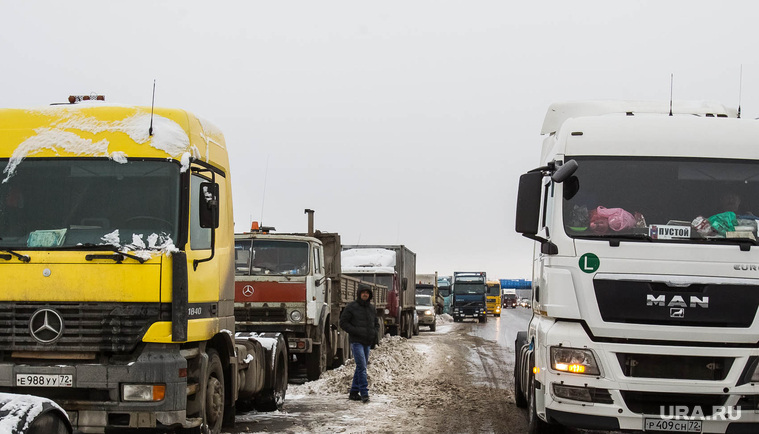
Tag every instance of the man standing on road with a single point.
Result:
(359, 319)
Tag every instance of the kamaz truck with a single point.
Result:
(469, 296)
(645, 286)
(117, 265)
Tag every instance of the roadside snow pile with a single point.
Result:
(391, 365)
(444, 318)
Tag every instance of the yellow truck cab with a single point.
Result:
(116, 256)
(494, 298)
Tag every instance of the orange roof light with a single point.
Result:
(254, 227)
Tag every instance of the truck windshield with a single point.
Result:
(468, 288)
(494, 290)
(424, 300)
(67, 202)
(663, 199)
(379, 279)
(444, 291)
(262, 257)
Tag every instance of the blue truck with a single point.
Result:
(469, 296)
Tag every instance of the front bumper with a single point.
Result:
(426, 319)
(619, 400)
(94, 401)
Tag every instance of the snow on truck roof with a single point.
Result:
(97, 129)
(369, 260)
(559, 112)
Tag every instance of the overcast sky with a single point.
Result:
(399, 122)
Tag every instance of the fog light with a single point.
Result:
(143, 392)
(572, 392)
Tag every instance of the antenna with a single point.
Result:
(740, 91)
(152, 106)
(263, 199)
(671, 86)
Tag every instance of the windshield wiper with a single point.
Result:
(22, 258)
(614, 239)
(118, 257)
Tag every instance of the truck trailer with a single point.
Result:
(393, 266)
(645, 287)
(117, 257)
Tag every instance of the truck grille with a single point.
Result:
(87, 327)
(699, 304)
(260, 314)
(675, 367)
(652, 403)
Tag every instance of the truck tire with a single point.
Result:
(536, 424)
(272, 396)
(50, 422)
(316, 362)
(519, 342)
(432, 327)
(484, 318)
(343, 350)
(416, 330)
(213, 395)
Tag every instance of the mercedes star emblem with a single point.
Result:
(46, 326)
(247, 290)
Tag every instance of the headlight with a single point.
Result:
(143, 392)
(574, 360)
(428, 312)
(296, 316)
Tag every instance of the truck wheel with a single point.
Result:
(214, 393)
(273, 396)
(519, 398)
(484, 319)
(343, 350)
(316, 362)
(432, 327)
(51, 422)
(416, 330)
(536, 424)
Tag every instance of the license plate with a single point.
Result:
(45, 380)
(672, 425)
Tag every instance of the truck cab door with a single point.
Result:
(319, 296)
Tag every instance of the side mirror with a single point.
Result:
(209, 205)
(528, 203)
(564, 171)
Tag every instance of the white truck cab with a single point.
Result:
(646, 270)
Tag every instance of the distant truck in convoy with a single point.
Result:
(116, 257)
(510, 299)
(469, 296)
(427, 284)
(645, 287)
(494, 298)
(292, 284)
(444, 289)
(393, 266)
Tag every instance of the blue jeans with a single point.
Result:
(361, 356)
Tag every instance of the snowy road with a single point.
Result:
(460, 381)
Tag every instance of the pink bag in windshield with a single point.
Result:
(617, 218)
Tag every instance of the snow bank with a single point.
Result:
(391, 364)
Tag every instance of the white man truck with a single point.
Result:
(645, 279)
(116, 295)
(291, 284)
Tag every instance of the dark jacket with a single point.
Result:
(359, 319)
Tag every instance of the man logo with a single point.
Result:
(247, 290)
(46, 326)
(677, 312)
